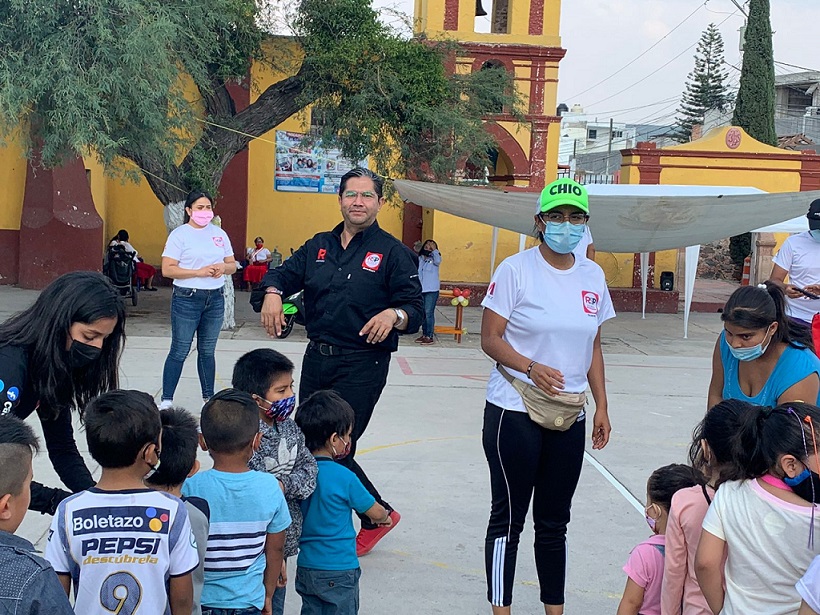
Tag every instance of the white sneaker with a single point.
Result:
(166, 404)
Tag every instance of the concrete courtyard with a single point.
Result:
(423, 450)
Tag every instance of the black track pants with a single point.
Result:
(529, 462)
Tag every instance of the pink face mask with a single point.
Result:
(202, 216)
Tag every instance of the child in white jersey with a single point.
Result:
(763, 526)
(121, 544)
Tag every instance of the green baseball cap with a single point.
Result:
(563, 192)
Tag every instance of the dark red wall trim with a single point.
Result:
(515, 51)
(536, 25)
(10, 261)
(232, 200)
(58, 211)
(451, 14)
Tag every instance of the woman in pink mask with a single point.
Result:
(196, 256)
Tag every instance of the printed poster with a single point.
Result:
(302, 168)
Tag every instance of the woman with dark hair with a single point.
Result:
(542, 326)
(196, 256)
(56, 356)
(259, 257)
(145, 272)
(761, 356)
(429, 263)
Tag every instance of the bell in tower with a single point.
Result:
(479, 10)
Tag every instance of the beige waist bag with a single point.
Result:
(558, 413)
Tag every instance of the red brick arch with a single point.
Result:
(512, 148)
(482, 59)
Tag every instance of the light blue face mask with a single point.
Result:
(752, 352)
(815, 234)
(562, 237)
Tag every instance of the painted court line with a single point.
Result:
(619, 487)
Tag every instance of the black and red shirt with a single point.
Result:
(346, 287)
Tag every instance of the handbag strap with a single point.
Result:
(507, 375)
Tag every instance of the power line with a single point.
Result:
(812, 70)
(630, 63)
(657, 70)
(646, 106)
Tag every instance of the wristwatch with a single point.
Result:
(401, 318)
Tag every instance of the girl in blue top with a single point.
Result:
(761, 357)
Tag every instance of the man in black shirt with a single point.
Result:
(361, 288)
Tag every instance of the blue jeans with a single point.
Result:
(328, 592)
(193, 311)
(429, 325)
(249, 611)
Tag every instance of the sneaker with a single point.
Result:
(420, 339)
(367, 539)
(166, 404)
(427, 341)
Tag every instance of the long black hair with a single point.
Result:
(753, 307)
(192, 198)
(719, 429)
(765, 436)
(79, 296)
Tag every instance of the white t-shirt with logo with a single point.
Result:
(552, 317)
(768, 552)
(195, 248)
(121, 548)
(800, 256)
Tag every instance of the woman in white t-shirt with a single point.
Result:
(763, 526)
(196, 256)
(542, 322)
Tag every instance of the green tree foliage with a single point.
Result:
(109, 77)
(754, 111)
(706, 84)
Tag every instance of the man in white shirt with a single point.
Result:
(799, 258)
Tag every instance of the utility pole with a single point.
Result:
(609, 149)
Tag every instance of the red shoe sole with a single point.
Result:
(367, 539)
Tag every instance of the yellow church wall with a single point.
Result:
(134, 207)
(465, 248)
(12, 185)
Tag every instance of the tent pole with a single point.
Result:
(644, 276)
(690, 272)
(493, 251)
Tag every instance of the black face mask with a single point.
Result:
(82, 355)
(424, 252)
(805, 485)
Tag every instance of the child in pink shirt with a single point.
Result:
(644, 568)
(711, 455)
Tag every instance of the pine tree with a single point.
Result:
(706, 84)
(754, 111)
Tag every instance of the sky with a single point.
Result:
(603, 36)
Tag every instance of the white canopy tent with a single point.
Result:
(795, 225)
(692, 256)
(629, 218)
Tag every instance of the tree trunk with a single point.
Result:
(223, 142)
